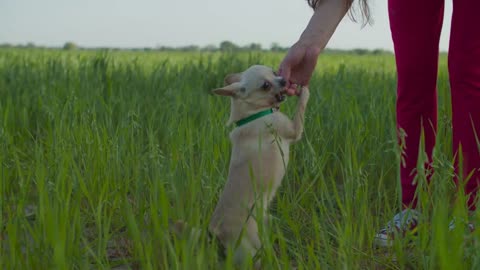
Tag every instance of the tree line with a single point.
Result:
(224, 46)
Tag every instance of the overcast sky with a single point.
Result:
(151, 23)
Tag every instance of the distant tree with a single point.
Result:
(190, 48)
(275, 47)
(209, 48)
(360, 51)
(228, 46)
(70, 46)
(165, 48)
(6, 45)
(335, 51)
(30, 45)
(255, 47)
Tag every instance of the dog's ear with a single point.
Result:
(232, 78)
(229, 90)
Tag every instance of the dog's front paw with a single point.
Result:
(304, 93)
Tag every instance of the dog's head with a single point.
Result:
(257, 86)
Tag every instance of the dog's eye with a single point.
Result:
(266, 86)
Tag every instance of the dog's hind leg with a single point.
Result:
(249, 244)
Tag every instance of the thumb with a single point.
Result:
(285, 68)
(285, 71)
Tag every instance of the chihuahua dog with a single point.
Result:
(259, 156)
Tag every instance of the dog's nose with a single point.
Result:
(283, 82)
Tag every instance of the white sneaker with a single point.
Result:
(402, 223)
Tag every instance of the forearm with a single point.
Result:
(323, 23)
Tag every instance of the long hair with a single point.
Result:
(362, 6)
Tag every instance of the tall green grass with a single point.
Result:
(99, 150)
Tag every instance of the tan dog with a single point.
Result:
(259, 157)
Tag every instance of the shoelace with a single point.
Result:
(405, 221)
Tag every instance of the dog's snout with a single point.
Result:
(283, 82)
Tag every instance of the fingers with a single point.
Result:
(294, 57)
(297, 67)
(309, 64)
(284, 72)
(291, 91)
(294, 90)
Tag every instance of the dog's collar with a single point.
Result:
(254, 116)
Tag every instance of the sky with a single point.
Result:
(153, 23)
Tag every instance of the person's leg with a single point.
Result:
(416, 27)
(464, 71)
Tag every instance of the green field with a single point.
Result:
(98, 150)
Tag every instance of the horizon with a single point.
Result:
(151, 24)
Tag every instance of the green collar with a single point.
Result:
(252, 117)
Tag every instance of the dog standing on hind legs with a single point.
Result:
(259, 156)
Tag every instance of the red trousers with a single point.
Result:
(416, 26)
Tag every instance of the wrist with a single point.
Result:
(311, 43)
(311, 40)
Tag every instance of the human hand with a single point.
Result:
(298, 65)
